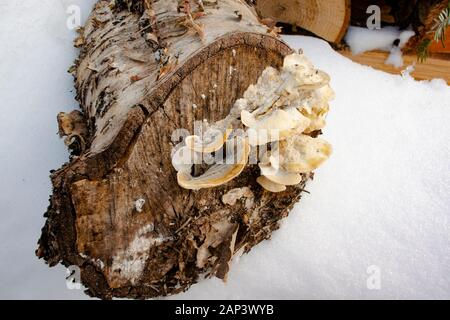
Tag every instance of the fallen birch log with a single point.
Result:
(326, 19)
(147, 69)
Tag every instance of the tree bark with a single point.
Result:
(142, 69)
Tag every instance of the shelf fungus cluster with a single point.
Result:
(279, 119)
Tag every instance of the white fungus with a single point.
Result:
(139, 205)
(282, 107)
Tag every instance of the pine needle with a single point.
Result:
(422, 50)
(442, 23)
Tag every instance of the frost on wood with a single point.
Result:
(143, 74)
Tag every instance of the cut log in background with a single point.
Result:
(143, 65)
(327, 19)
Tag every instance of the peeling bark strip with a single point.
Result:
(147, 68)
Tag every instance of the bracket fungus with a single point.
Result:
(302, 153)
(237, 152)
(214, 138)
(282, 114)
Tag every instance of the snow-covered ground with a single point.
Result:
(379, 207)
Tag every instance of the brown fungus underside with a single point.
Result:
(117, 210)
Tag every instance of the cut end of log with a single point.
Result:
(117, 210)
(435, 67)
(327, 19)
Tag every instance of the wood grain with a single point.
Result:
(131, 110)
(436, 66)
(329, 19)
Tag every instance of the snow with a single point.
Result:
(395, 58)
(362, 39)
(380, 204)
(35, 53)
